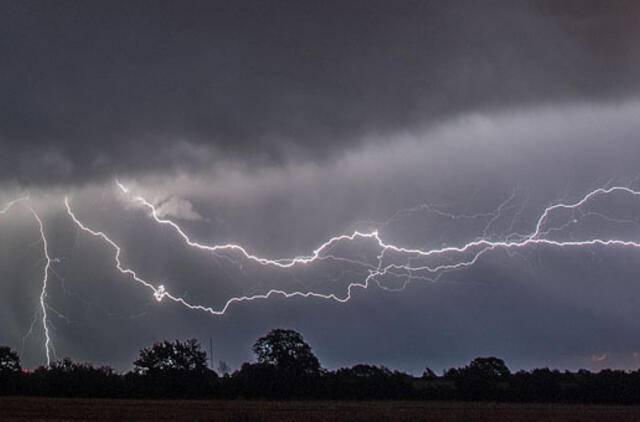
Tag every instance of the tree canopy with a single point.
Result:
(287, 369)
(489, 367)
(286, 350)
(9, 360)
(172, 356)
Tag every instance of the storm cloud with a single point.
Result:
(276, 125)
(94, 89)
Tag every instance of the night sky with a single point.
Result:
(278, 125)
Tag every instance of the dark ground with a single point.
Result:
(46, 409)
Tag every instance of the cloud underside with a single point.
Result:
(90, 91)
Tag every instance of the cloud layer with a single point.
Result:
(278, 125)
(91, 90)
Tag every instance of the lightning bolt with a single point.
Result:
(43, 292)
(455, 257)
(160, 292)
(10, 204)
(47, 268)
(463, 256)
(282, 263)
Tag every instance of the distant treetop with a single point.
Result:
(286, 350)
(172, 356)
(9, 360)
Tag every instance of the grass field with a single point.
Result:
(45, 409)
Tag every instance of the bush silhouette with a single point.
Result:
(286, 368)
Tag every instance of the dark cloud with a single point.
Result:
(538, 307)
(96, 88)
(276, 125)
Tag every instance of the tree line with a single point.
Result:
(286, 368)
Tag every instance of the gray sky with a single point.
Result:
(277, 125)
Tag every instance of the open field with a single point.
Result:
(46, 409)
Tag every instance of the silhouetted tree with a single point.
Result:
(66, 378)
(9, 360)
(369, 382)
(287, 368)
(171, 369)
(483, 379)
(539, 385)
(490, 367)
(286, 350)
(10, 371)
(168, 356)
(428, 374)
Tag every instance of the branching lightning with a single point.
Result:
(43, 292)
(47, 268)
(390, 259)
(10, 204)
(463, 256)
